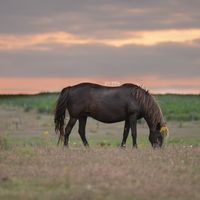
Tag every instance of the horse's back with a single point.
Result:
(98, 93)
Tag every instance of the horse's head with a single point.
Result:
(157, 135)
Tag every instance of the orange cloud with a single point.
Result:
(39, 41)
(148, 38)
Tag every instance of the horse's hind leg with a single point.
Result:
(68, 129)
(81, 130)
(133, 124)
(125, 134)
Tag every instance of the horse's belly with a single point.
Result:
(108, 116)
(108, 119)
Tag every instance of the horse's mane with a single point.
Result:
(148, 104)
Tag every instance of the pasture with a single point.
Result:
(33, 167)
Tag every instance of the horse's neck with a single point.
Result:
(150, 123)
(153, 119)
(149, 107)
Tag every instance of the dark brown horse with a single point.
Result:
(109, 104)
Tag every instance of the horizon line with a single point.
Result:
(32, 93)
(155, 84)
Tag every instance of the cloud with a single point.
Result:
(93, 17)
(44, 40)
(101, 39)
(10, 42)
(108, 22)
(165, 60)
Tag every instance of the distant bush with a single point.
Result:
(43, 103)
(180, 107)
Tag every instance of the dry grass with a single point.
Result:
(100, 173)
(33, 167)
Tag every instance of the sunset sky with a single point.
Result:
(46, 45)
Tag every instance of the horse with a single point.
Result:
(127, 103)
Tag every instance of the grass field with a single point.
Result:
(48, 172)
(33, 167)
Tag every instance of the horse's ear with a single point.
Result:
(158, 126)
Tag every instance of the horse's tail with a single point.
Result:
(60, 110)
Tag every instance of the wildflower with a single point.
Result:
(45, 133)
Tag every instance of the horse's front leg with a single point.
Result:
(81, 130)
(125, 133)
(133, 125)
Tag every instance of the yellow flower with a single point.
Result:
(46, 133)
(164, 130)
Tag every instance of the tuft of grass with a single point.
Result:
(4, 142)
(104, 143)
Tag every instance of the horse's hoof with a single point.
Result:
(123, 146)
(66, 145)
(135, 146)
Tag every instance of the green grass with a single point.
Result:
(21, 185)
(174, 107)
(9, 142)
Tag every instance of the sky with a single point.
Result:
(46, 45)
